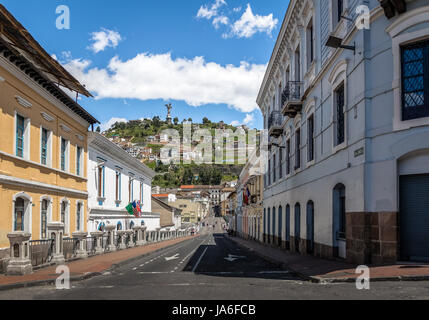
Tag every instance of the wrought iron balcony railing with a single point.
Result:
(275, 124)
(291, 98)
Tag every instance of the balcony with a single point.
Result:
(291, 99)
(275, 124)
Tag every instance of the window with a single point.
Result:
(297, 65)
(20, 130)
(19, 214)
(63, 215)
(337, 11)
(78, 216)
(310, 143)
(340, 118)
(44, 151)
(269, 172)
(279, 95)
(78, 160)
(415, 83)
(281, 163)
(310, 44)
(101, 172)
(288, 157)
(141, 192)
(118, 186)
(44, 219)
(64, 147)
(274, 169)
(130, 189)
(298, 149)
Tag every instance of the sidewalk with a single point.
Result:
(331, 271)
(85, 268)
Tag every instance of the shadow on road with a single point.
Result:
(224, 258)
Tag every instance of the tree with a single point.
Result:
(206, 121)
(156, 121)
(190, 119)
(176, 121)
(98, 129)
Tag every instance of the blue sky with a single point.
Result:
(205, 57)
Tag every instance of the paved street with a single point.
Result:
(212, 267)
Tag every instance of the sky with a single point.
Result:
(208, 58)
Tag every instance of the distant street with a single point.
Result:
(212, 267)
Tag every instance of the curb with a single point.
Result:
(86, 276)
(321, 280)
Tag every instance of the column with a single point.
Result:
(123, 237)
(110, 229)
(98, 241)
(131, 243)
(20, 263)
(56, 231)
(81, 251)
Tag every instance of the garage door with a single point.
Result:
(414, 217)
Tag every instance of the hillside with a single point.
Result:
(141, 133)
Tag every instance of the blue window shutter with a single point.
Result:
(104, 178)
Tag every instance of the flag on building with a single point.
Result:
(130, 209)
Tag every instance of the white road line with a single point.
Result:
(199, 260)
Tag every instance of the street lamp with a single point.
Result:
(336, 43)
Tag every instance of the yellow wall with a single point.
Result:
(31, 169)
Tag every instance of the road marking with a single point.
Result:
(232, 258)
(199, 260)
(175, 257)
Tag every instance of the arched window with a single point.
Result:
(132, 224)
(269, 225)
(19, 214)
(297, 226)
(142, 224)
(288, 227)
(274, 223)
(339, 220)
(44, 218)
(280, 233)
(310, 227)
(119, 226)
(101, 226)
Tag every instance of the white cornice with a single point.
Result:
(47, 116)
(65, 128)
(15, 71)
(39, 185)
(23, 102)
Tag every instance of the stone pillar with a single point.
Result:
(20, 263)
(123, 234)
(81, 251)
(143, 230)
(98, 241)
(110, 229)
(168, 234)
(158, 235)
(139, 235)
(131, 243)
(56, 232)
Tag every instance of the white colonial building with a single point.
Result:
(346, 102)
(116, 179)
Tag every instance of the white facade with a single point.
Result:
(116, 179)
(333, 187)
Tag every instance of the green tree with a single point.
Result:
(176, 121)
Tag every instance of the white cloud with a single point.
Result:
(250, 118)
(106, 126)
(248, 121)
(249, 24)
(220, 20)
(159, 76)
(208, 13)
(103, 39)
(245, 27)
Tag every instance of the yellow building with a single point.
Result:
(43, 139)
(192, 210)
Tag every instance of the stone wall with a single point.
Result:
(372, 237)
